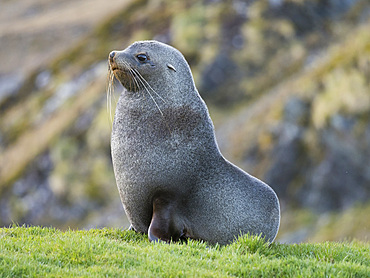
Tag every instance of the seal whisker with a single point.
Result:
(160, 111)
(108, 85)
(146, 82)
(140, 78)
(135, 79)
(110, 91)
(138, 86)
(128, 70)
(132, 80)
(145, 85)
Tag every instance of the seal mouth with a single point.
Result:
(116, 69)
(120, 73)
(114, 66)
(125, 77)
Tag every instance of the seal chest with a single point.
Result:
(172, 179)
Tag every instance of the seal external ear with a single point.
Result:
(164, 225)
(171, 67)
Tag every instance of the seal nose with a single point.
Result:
(111, 56)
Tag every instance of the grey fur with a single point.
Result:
(166, 145)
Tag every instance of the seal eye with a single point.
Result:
(142, 57)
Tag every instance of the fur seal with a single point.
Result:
(172, 179)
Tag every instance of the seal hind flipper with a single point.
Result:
(165, 225)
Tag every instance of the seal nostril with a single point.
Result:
(111, 55)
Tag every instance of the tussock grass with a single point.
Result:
(39, 252)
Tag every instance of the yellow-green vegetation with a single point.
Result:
(38, 252)
(344, 91)
(350, 224)
(336, 226)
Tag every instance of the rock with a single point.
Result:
(9, 85)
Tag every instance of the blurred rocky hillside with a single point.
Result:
(287, 83)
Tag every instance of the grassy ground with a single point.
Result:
(39, 252)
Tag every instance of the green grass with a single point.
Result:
(40, 252)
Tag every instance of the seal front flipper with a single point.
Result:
(165, 225)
